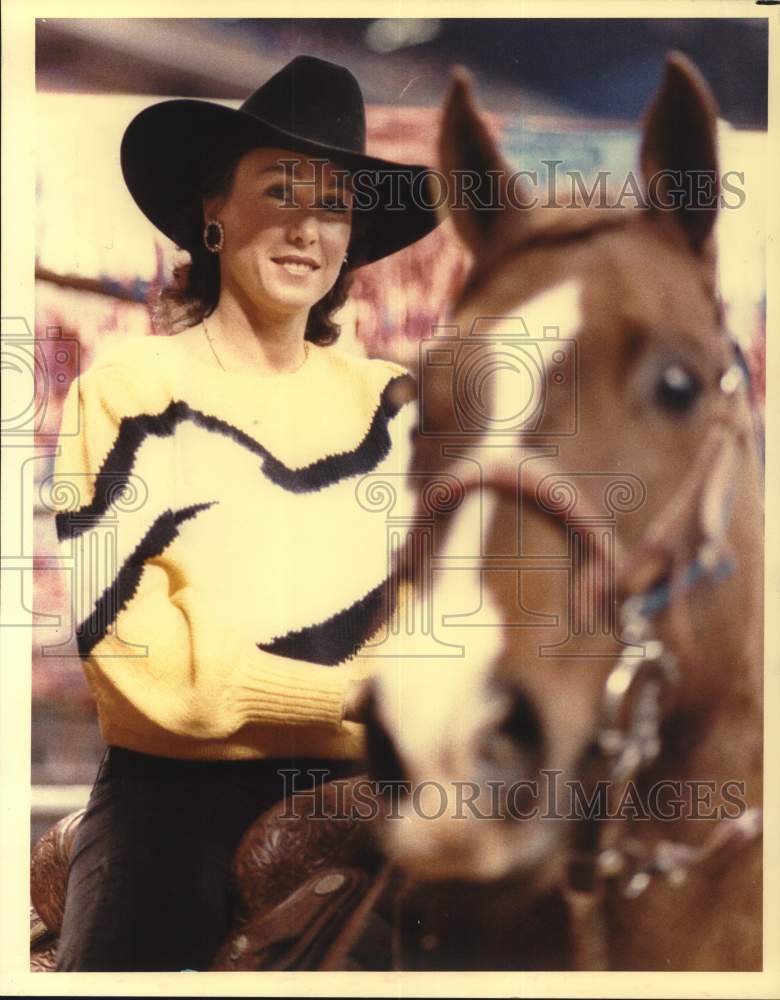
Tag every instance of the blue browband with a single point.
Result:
(653, 601)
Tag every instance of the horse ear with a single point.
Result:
(478, 177)
(679, 155)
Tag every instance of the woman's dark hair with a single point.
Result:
(193, 293)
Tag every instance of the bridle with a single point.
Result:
(684, 545)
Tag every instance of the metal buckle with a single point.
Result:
(635, 744)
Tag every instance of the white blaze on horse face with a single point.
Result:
(558, 306)
(531, 348)
(446, 701)
(438, 711)
(442, 711)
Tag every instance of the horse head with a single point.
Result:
(589, 502)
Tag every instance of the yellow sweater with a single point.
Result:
(228, 564)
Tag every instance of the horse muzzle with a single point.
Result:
(460, 805)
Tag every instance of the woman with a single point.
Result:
(222, 462)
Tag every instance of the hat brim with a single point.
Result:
(165, 145)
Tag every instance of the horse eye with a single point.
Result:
(677, 389)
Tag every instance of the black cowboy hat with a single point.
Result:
(310, 106)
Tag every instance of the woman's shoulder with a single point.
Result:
(376, 370)
(130, 374)
(146, 353)
(378, 382)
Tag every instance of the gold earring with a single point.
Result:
(208, 232)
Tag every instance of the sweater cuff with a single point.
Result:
(292, 693)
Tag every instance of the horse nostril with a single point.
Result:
(517, 739)
(384, 763)
(521, 723)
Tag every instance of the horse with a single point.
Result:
(573, 717)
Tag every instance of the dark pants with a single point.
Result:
(149, 884)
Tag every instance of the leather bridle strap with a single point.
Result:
(692, 524)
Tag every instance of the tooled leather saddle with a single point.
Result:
(311, 891)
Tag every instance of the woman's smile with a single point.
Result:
(296, 265)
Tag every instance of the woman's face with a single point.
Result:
(286, 231)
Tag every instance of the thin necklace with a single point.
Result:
(210, 340)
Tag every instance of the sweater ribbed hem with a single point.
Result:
(253, 742)
(293, 693)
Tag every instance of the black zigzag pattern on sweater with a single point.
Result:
(121, 590)
(332, 641)
(133, 431)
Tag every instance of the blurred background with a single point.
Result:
(572, 90)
